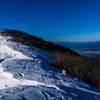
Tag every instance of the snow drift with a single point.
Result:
(6, 52)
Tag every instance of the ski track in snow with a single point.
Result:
(28, 76)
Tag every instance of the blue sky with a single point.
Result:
(54, 20)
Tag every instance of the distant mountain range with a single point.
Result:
(89, 49)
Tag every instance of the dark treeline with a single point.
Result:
(34, 41)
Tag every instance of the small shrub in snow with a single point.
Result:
(7, 55)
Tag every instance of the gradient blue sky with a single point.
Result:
(54, 20)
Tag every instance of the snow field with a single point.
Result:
(27, 75)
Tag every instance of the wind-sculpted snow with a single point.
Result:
(7, 52)
(30, 77)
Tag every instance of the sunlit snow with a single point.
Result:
(7, 52)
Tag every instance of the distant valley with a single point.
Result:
(87, 49)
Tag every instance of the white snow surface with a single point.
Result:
(7, 52)
(27, 75)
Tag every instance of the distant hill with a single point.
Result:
(70, 44)
(62, 57)
(88, 46)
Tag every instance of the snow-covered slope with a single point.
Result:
(26, 75)
(7, 52)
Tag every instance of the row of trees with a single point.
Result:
(34, 41)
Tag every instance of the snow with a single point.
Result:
(25, 75)
(7, 52)
(7, 80)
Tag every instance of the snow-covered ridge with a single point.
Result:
(7, 52)
(25, 75)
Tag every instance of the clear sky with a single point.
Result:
(54, 20)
